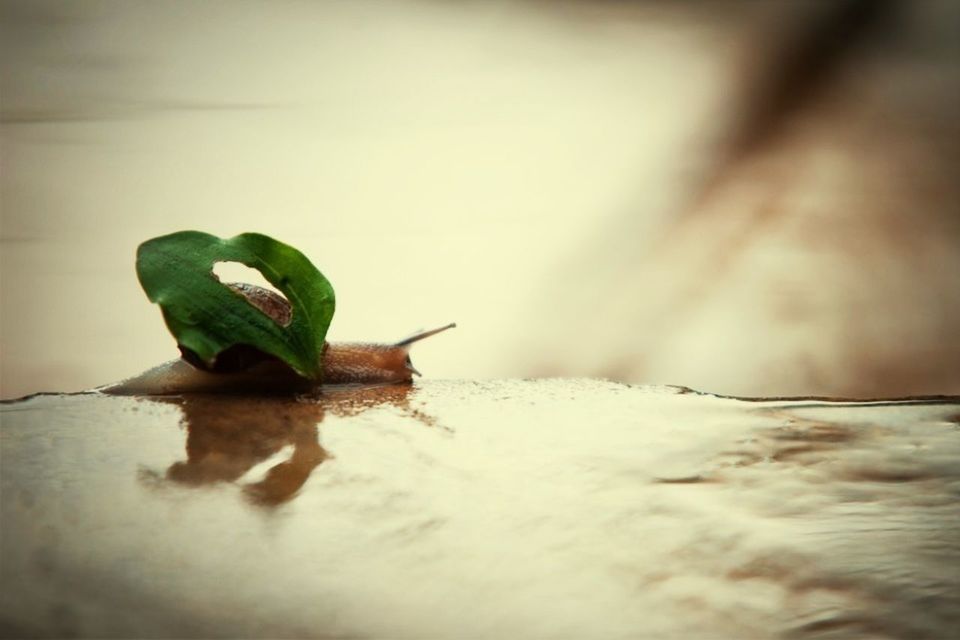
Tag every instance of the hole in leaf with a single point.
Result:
(228, 272)
(251, 284)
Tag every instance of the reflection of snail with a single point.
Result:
(228, 436)
(343, 362)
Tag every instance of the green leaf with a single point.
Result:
(207, 317)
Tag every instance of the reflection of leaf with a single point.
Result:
(206, 317)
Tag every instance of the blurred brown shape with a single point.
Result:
(819, 252)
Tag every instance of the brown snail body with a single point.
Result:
(343, 362)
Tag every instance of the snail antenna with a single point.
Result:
(420, 335)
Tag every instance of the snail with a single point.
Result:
(343, 362)
(254, 370)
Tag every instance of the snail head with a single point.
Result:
(420, 335)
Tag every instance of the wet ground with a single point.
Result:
(524, 509)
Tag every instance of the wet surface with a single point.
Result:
(553, 508)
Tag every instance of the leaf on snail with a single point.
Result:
(207, 317)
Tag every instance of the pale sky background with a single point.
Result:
(517, 167)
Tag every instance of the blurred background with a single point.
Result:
(755, 198)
